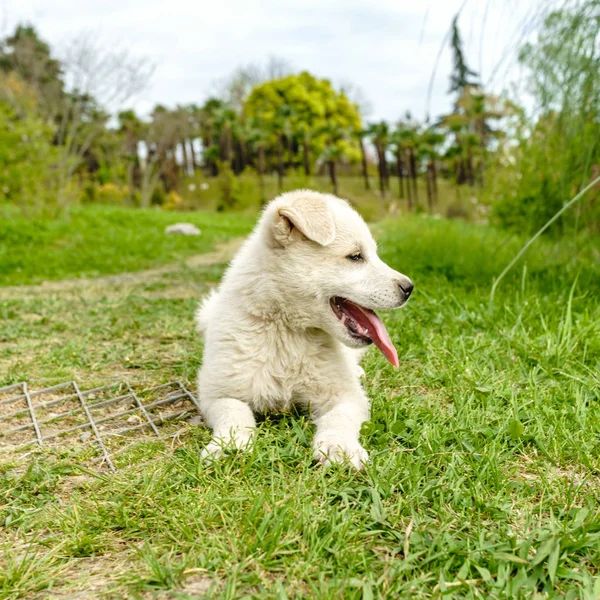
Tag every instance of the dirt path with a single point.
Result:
(222, 254)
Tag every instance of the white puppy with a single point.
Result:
(287, 320)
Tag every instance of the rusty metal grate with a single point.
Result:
(107, 419)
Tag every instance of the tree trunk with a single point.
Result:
(290, 150)
(243, 155)
(386, 171)
(261, 170)
(470, 170)
(365, 166)
(381, 167)
(400, 169)
(333, 176)
(194, 157)
(481, 126)
(306, 156)
(459, 167)
(408, 175)
(434, 187)
(429, 182)
(185, 156)
(414, 174)
(226, 144)
(280, 170)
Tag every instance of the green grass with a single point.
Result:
(101, 240)
(485, 443)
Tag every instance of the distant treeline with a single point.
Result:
(64, 135)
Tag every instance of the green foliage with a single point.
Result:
(557, 153)
(305, 108)
(27, 155)
(109, 193)
(28, 57)
(227, 186)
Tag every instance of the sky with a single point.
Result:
(388, 49)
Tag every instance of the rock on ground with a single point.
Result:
(183, 229)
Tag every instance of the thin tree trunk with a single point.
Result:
(261, 170)
(400, 169)
(194, 157)
(290, 150)
(333, 176)
(243, 155)
(306, 156)
(226, 144)
(459, 168)
(470, 170)
(429, 182)
(280, 171)
(386, 171)
(185, 156)
(408, 175)
(365, 166)
(413, 171)
(482, 146)
(381, 167)
(434, 181)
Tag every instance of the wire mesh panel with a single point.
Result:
(107, 419)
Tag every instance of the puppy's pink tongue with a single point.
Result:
(377, 331)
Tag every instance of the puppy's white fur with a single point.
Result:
(271, 337)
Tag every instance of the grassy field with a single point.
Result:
(485, 443)
(102, 240)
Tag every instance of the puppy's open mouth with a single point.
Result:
(363, 324)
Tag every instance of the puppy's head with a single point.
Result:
(327, 259)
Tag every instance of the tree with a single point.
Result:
(27, 154)
(76, 95)
(161, 138)
(430, 144)
(209, 121)
(30, 58)
(333, 152)
(461, 76)
(405, 138)
(298, 107)
(131, 128)
(258, 138)
(469, 127)
(379, 133)
(360, 136)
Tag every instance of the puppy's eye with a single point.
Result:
(356, 257)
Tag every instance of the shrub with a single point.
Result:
(174, 201)
(110, 193)
(228, 187)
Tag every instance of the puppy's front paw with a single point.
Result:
(213, 451)
(238, 440)
(339, 449)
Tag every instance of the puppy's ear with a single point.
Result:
(310, 217)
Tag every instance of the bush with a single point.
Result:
(228, 187)
(110, 193)
(174, 201)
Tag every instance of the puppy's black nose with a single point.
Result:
(407, 287)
